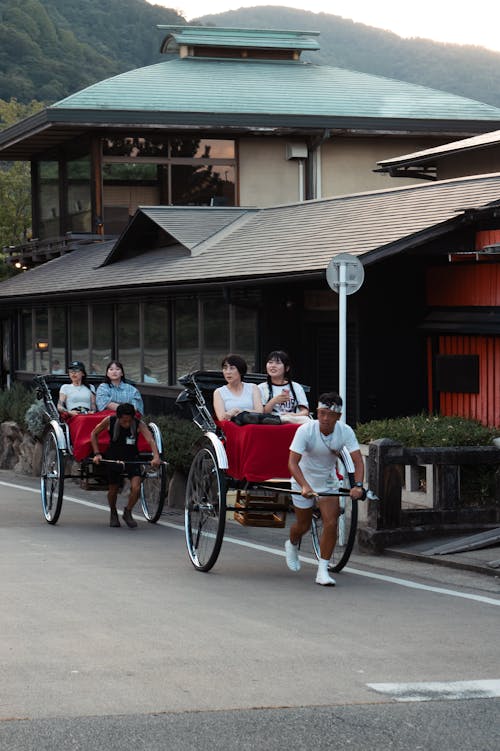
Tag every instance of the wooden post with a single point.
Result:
(446, 486)
(384, 478)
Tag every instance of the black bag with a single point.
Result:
(255, 418)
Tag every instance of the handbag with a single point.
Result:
(255, 418)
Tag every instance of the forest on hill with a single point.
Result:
(52, 48)
(465, 70)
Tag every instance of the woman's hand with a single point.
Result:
(97, 458)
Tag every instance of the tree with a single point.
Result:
(15, 184)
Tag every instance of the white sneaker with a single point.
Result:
(292, 556)
(324, 578)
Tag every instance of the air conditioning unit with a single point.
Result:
(295, 151)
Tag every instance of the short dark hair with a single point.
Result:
(238, 363)
(125, 409)
(330, 398)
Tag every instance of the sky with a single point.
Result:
(441, 20)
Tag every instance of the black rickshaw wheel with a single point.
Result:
(205, 509)
(52, 477)
(153, 491)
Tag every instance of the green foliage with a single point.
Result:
(14, 403)
(427, 430)
(15, 185)
(179, 437)
(52, 48)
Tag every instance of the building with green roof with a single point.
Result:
(232, 117)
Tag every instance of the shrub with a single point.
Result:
(36, 419)
(15, 402)
(427, 430)
(179, 437)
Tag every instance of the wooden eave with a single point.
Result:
(54, 127)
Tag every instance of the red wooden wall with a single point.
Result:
(462, 285)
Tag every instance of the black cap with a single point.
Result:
(76, 365)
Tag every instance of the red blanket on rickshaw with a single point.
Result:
(80, 428)
(258, 452)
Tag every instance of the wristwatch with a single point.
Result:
(358, 484)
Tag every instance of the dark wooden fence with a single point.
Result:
(388, 522)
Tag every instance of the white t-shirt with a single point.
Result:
(317, 461)
(288, 406)
(76, 396)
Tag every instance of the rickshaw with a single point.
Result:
(250, 466)
(66, 455)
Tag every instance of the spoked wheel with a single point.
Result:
(346, 533)
(52, 478)
(153, 491)
(205, 512)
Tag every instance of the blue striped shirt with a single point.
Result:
(120, 394)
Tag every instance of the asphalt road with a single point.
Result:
(111, 640)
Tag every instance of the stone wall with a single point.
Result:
(19, 451)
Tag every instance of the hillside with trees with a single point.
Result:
(465, 70)
(51, 48)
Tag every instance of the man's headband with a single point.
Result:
(332, 407)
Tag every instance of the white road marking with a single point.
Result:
(439, 690)
(275, 551)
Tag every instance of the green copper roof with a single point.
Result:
(285, 88)
(206, 36)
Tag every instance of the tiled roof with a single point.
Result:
(277, 241)
(263, 87)
(430, 155)
(218, 36)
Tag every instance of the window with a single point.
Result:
(26, 341)
(186, 336)
(215, 333)
(57, 338)
(156, 337)
(79, 333)
(129, 345)
(102, 338)
(78, 204)
(48, 199)
(42, 364)
(245, 334)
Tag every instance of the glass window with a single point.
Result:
(186, 335)
(58, 340)
(156, 339)
(102, 338)
(129, 172)
(215, 333)
(245, 334)
(79, 330)
(42, 364)
(129, 345)
(135, 147)
(48, 199)
(26, 341)
(78, 197)
(203, 185)
(202, 148)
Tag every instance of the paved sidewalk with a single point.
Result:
(485, 560)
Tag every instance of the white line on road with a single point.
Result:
(274, 551)
(439, 690)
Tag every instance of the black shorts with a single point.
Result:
(116, 473)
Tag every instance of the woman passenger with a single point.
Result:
(76, 398)
(280, 395)
(117, 390)
(237, 395)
